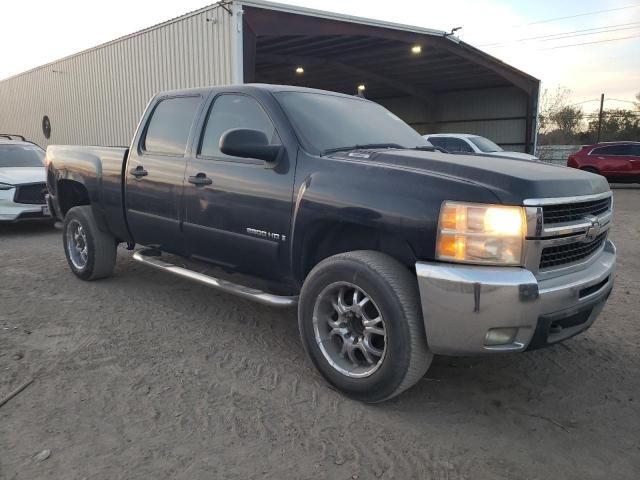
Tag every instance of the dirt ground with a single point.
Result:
(146, 376)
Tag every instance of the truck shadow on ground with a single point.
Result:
(26, 228)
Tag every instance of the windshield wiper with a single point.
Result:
(428, 148)
(360, 147)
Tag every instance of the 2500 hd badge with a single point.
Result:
(265, 234)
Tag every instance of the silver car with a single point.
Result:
(473, 144)
(22, 180)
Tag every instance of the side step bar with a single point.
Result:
(150, 257)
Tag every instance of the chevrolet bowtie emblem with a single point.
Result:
(593, 230)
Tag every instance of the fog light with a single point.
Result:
(500, 336)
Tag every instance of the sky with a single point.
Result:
(595, 50)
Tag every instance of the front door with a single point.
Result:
(155, 173)
(635, 159)
(238, 210)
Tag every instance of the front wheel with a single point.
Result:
(91, 253)
(361, 325)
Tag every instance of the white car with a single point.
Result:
(22, 180)
(475, 144)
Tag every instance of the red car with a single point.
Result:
(618, 161)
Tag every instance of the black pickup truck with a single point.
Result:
(392, 252)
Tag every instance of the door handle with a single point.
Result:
(200, 180)
(139, 172)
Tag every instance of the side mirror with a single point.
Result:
(246, 143)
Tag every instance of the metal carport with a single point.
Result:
(447, 86)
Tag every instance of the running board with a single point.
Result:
(150, 257)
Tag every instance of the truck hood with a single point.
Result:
(20, 175)
(511, 181)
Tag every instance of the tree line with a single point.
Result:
(561, 123)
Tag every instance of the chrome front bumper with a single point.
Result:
(462, 303)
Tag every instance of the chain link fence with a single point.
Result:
(556, 154)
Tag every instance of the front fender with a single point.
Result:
(402, 203)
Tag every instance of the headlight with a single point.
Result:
(5, 186)
(481, 233)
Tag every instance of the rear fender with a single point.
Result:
(71, 170)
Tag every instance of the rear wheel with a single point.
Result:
(91, 253)
(361, 325)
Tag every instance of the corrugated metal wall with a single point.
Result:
(413, 111)
(496, 113)
(114, 82)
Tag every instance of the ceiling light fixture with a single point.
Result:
(300, 70)
(362, 87)
(416, 49)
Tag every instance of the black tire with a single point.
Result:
(101, 247)
(394, 291)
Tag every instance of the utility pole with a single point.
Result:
(600, 117)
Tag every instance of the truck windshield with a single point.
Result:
(485, 145)
(21, 156)
(327, 123)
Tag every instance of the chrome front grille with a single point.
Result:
(570, 252)
(570, 212)
(565, 233)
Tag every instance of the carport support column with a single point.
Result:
(249, 53)
(531, 122)
(237, 60)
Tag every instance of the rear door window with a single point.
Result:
(612, 150)
(170, 124)
(438, 142)
(457, 145)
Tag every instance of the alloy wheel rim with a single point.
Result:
(77, 245)
(349, 330)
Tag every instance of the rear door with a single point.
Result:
(240, 217)
(155, 172)
(612, 160)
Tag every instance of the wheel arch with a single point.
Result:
(591, 169)
(327, 238)
(71, 193)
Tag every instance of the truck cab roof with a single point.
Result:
(255, 87)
